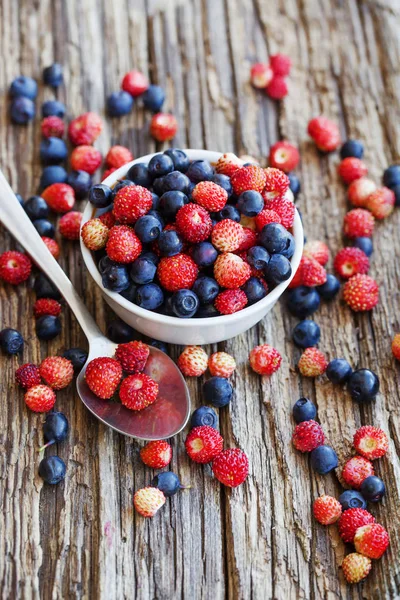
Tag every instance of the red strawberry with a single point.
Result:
(117, 156)
(352, 168)
(46, 306)
(227, 235)
(355, 470)
(230, 301)
(318, 250)
(52, 246)
(265, 217)
(40, 398)
(135, 83)
(221, 364)
(148, 501)
(15, 267)
(57, 371)
(28, 376)
(193, 222)
(193, 361)
(163, 127)
(312, 273)
(203, 444)
(356, 567)
(276, 185)
(52, 127)
(327, 510)
(371, 540)
(85, 129)
(177, 272)
(277, 88)
(228, 163)
(312, 363)
(251, 177)
(350, 261)
(156, 454)
(60, 197)
(132, 202)
(260, 75)
(103, 376)
(281, 64)
(95, 234)
(85, 158)
(351, 520)
(249, 239)
(358, 223)
(396, 346)
(70, 224)
(132, 356)
(123, 245)
(361, 293)
(107, 173)
(210, 195)
(138, 391)
(307, 436)
(381, 203)
(231, 467)
(359, 190)
(283, 207)
(284, 155)
(265, 360)
(297, 279)
(371, 442)
(231, 271)
(325, 133)
(108, 219)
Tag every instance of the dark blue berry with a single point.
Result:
(44, 228)
(352, 499)
(184, 304)
(81, 183)
(160, 345)
(218, 391)
(228, 212)
(52, 470)
(205, 311)
(53, 108)
(205, 415)
(363, 385)
(53, 75)
(160, 165)
(352, 148)
(120, 332)
(115, 277)
(200, 170)
(170, 242)
(373, 489)
(55, 428)
(179, 158)
(155, 200)
(119, 104)
(391, 176)
(258, 257)
(23, 86)
(223, 181)
(175, 181)
(254, 290)
(303, 301)
(52, 174)
(324, 459)
(290, 247)
(139, 174)
(330, 288)
(77, 356)
(171, 202)
(250, 203)
(396, 191)
(158, 186)
(36, 208)
(53, 151)
(100, 195)
(168, 482)
(294, 184)
(148, 228)
(121, 184)
(365, 244)
(130, 292)
(22, 110)
(48, 327)
(278, 269)
(11, 341)
(20, 199)
(157, 215)
(306, 334)
(151, 256)
(275, 238)
(338, 370)
(142, 271)
(44, 288)
(104, 263)
(149, 296)
(204, 254)
(304, 410)
(153, 98)
(206, 289)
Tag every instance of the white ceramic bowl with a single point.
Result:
(188, 331)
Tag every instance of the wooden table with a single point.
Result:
(82, 539)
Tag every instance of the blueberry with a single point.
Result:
(158, 186)
(258, 257)
(171, 202)
(205, 311)
(44, 288)
(53, 151)
(115, 277)
(254, 290)
(23, 86)
(275, 238)
(22, 110)
(52, 470)
(175, 181)
(53, 108)
(365, 244)
(119, 185)
(129, 293)
(303, 301)
(151, 256)
(48, 327)
(391, 176)
(104, 263)
(204, 254)
(330, 288)
(290, 247)
(148, 228)
(160, 345)
(184, 304)
(352, 148)
(338, 370)
(324, 459)
(200, 170)
(224, 182)
(304, 410)
(278, 269)
(100, 195)
(36, 208)
(44, 228)
(170, 242)
(218, 391)
(396, 191)
(363, 385)
(53, 75)
(157, 215)
(306, 334)
(168, 482)
(179, 158)
(352, 499)
(204, 416)
(155, 200)
(142, 271)
(77, 356)
(153, 98)
(229, 212)
(373, 489)
(294, 184)
(160, 165)
(119, 104)
(250, 203)
(206, 289)
(149, 296)
(52, 174)
(55, 428)
(81, 183)
(139, 174)
(11, 341)
(120, 332)
(20, 199)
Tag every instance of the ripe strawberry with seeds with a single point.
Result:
(396, 346)
(251, 177)
(361, 293)
(277, 88)
(358, 223)
(70, 224)
(227, 235)
(371, 442)
(203, 444)
(52, 127)
(85, 158)
(352, 168)
(284, 155)
(52, 246)
(356, 567)
(40, 398)
(230, 271)
(231, 467)
(60, 197)
(327, 510)
(371, 540)
(355, 470)
(132, 202)
(297, 279)
(249, 239)
(95, 234)
(103, 376)
(163, 127)
(359, 190)
(351, 520)
(261, 75)
(284, 207)
(147, 501)
(228, 163)
(193, 361)
(318, 250)
(307, 436)
(85, 129)
(108, 219)
(123, 245)
(350, 261)
(276, 185)
(312, 272)
(135, 83)
(265, 217)
(177, 272)
(281, 64)
(325, 133)
(156, 454)
(381, 203)
(230, 301)
(264, 359)
(312, 363)
(46, 306)
(221, 364)
(210, 195)
(138, 391)
(57, 371)
(28, 376)
(117, 156)
(15, 267)
(193, 222)
(132, 356)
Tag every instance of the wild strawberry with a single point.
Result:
(359, 190)
(352, 168)
(108, 219)
(361, 293)
(57, 371)
(264, 359)
(85, 129)
(355, 470)
(156, 454)
(210, 195)
(123, 245)
(28, 376)
(312, 363)
(276, 185)
(40, 398)
(227, 235)
(221, 364)
(52, 127)
(52, 246)
(107, 173)
(318, 250)
(135, 83)
(381, 203)
(284, 156)
(193, 361)
(231, 467)
(251, 177)
(356, 567)
(231, 271)
(325, 133)
(203, 444)
(358, 223)
(228, 163)
(307, 436)
(60, 197)
(277, 88)
(249, 239)
(280, 64)
(193, 222)
(371, 442)
(350, 261)
(265, 217)
(177, 272)
(351, 520)
(230, 301)
(94, 234)
(312, 273)
(327, 510)
(138, 391)
(46, 306)
(147, 501)
(396, 346)
(85, 158)
(297, 279)
(103, 376)
(131, 202)
(163, 127)
(70, 224)
(260, 75)
(15, 267)
(117, 156)
(371, 540)
(283, 207)
(132, 356)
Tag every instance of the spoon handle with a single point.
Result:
(15, 219)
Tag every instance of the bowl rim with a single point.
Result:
(269, 299)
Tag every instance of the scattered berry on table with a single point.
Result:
(325, 134)
(40, 398)
(351, 520)
(330, 288)
(117, 156)
(306, 334)
(100, 195)
(358, 223)
(294, 184)
(60, 197)
(77, 356)
(284, 155)
(371, 540)
(261, 75)
(203, 444)
(355, 470)
(371, 442)
(168, 482)
(228, 163)
(53, 75)
(277, 88)
(51, 174)
(359, 191)
(363, 385)
(52, 127)
(373, 489)
(327, 510)
(312, 273)
(153, 98)
(52, 470)
(221, 364)
(205, 415)
(218, 391)
(352, 499)
(193, 361)
(230, 301)
(147, 501)
(338, 370)
(361, 293)
(11, 341)
(227, 235)
(123, 245)
(103, 376)
(324, 459)
(119, 104)
(45, 288)
(177, 272)
(251, 177)
(304, 410)
(352, 168)
(231, 467)
(53, 151)
(349, 261)
(81, 182)
(94, 234)
(391, 176)
(265, 360)
(23, 86)
(352, 148)
(52, 246)
(44, 228)
(381, 203)
(307, 436)
(356, 567)
(317, 250)
(46, 306)
(396, 346)
(156, 454)
(163, 127)
(57, 372)
(312, 363)
(85, 158)
(55, 428)
(280, 64)
(138, 391)
(120, 332)
(22, 110)
(15, 267)
(132, 356)
(303, 301)
(53, 108)
(28, 375)
(135, 83)
(365, 244)
(69, 225)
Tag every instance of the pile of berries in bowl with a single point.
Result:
(192, 246)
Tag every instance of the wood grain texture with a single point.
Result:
(82, 539)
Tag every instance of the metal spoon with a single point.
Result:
(170, 413)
